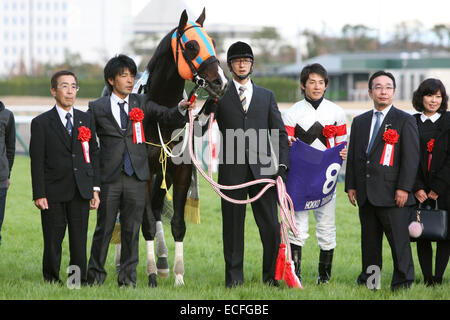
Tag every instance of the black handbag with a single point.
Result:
(434, 223)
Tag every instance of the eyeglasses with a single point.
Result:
(243, 61)
(66, 87)
(380, 88)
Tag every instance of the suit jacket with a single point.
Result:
(7, 142)
(262, 116)
(373, 181)
(438, 179)
(113, 139)
(58, 165)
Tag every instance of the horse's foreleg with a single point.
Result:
(180, 189)
(157, 203)
(148, 230)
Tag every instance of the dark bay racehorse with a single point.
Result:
(185, 53)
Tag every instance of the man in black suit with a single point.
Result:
(64, 173)
(382, 162)
(247, 115)
(124, 167)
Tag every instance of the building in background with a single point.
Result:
(350, 72)
(38, 32)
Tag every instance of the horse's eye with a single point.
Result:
(192, 49)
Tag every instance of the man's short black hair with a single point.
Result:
(430, 86)
(313, 68)
(116, 66)
(378, 74)
(55, 77)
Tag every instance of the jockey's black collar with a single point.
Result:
(314, 103)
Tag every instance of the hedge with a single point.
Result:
(285, 89)
(40, 87)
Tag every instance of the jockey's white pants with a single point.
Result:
(325, 226)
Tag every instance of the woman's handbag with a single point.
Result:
(432, 222)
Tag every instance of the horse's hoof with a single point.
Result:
(117, 268)
(152, 283)
(179, 281)
(163, 267)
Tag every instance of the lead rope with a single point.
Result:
(285, 201)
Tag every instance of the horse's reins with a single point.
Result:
(285, 201)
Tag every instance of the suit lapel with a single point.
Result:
(108, 111)
(252, 101)
(59, 129)
(365, 130)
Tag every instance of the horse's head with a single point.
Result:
(195, 56)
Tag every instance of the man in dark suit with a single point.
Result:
(247, 115)
(124, 167)
(382, 162)
(64, 173)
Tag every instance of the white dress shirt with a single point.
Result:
(374, 119)
(116, 109)
(248, 91)
(62, 115)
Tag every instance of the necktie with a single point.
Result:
(69, 125)
(243, 98)
(375, 130)
(127, 166)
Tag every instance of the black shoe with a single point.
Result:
(234, 284)
(325, 262)
(272, 283)
(404, 285)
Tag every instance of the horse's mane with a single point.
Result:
(163, 47)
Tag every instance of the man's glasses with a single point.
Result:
(66, 87)
(243, 61)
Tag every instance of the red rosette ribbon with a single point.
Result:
(330, 132)
(137, 116)
(84, 135)
(430, 147)
(390, 138)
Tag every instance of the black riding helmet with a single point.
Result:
(239, 50)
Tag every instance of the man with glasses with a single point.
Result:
(65, 177)
(246, 115)
(382, 162)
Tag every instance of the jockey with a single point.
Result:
(321, 124)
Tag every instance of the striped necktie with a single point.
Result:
(243, 98)
(69, 125)
(376, 128)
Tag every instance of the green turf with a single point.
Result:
(22, 246)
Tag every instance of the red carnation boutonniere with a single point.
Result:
(390, 138)
(430, 146)
(137, 116)
(84, 135)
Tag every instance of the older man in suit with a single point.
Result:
(247, 115)
(64, 173)
(382, 163)
(124, 167)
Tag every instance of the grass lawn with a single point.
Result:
(22, 246)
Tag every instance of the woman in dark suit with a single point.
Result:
(433, 177)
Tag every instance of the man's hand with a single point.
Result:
(433, 195)
(95, 201)
(41, 203)
(343, 153)
(291, 140)
(401, 197)
(351, 193)
(186, 105)
(421, 195)
(8, 183)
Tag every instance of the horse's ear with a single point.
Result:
(183, 21)
(201, 19)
